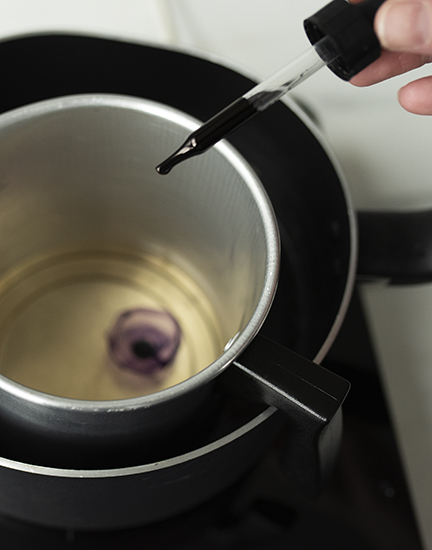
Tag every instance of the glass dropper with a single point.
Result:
(342, 37)
(253, 102)
(305, 65)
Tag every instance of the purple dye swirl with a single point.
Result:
(144, 340)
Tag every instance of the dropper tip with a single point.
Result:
(164, 168)
(187, 150)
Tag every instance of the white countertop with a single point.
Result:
(384, 152)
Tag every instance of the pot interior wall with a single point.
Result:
(299, 177)
(87, 226)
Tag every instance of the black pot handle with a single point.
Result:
(395, 246)
(309, 394)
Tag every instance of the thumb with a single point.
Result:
(405, 26)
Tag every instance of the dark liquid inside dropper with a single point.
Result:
(215, 129)
(328, 48)
(253, 102)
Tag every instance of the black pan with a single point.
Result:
(319, 254)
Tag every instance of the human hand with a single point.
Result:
(404, 29)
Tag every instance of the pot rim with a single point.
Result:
(239, 341)
(141, 468)
(352, 224)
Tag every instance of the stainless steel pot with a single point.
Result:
(74, 214)
(91, 231)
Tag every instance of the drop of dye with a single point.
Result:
(144, 340)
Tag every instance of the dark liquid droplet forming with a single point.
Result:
(187, 150)
(210, 133)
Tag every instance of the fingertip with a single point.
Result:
(405, 25)
(416, 97)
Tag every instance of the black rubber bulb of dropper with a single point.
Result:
(350, 30)
(350, 26)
